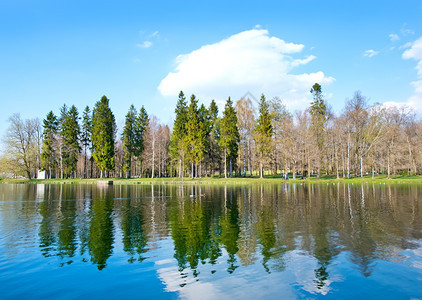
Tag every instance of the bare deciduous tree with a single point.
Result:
(22, 142)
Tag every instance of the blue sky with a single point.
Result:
(143, 52)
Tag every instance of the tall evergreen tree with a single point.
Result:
(318, 111)
(177, 145)
(129, 139)
(48, 155)
(86, 135)
(263, 133)
(194, 135)
(142, 121)
(103, 136)
(68, 145)
(229, 139)
(213, 147)
(205, 129)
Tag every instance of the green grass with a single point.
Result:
(222, 180)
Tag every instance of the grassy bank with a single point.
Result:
(222, 180)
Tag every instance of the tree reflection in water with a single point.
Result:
(240, 225)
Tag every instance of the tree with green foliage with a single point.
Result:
(129, 139)
(48, 155)
(101, 229)
(86, 131)
(229, 138)
(263, 133)
(142, 121)
(69, 132)
(195, 136)
(177, 145)
(205, 128)
(103, 136)
(319, 117)
(213, 146)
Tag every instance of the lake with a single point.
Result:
(271, 241)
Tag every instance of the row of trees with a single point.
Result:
(243, 141)
(363, 139)
(201, 138)
(65, 139)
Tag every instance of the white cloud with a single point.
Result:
(154, 34)
(248, 61)
(144, 45)
(406, 31)
(370, 53)
(299, 62)
(147, 43)
(394, 37)
(405, 46)
(415, 52)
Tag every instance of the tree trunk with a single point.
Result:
(309, 167)
(337, 172)
(191, 175)
(348, 158)
(200, 169)
(61, 163)
(92, 167)
(411, 161)
(244, 159)
(249, 158)
(261, 167)
(225, 162)
(85, 164)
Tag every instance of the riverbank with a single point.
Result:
(217, 180)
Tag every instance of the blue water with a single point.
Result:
(233, 242)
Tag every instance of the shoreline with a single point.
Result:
(417, 179)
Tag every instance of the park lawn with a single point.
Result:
(222, 180)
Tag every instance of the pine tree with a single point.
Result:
(205, 130)
(318, 111)
(213, 147)
(103, 136)
(129, 139)
(142, 121)
(48, 155)
(263, 133)
(177, 145)
(86, 135)
(229, 139)
(194, 134)
(69, 132)
(191, 137)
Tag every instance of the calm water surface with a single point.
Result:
(255, 241)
